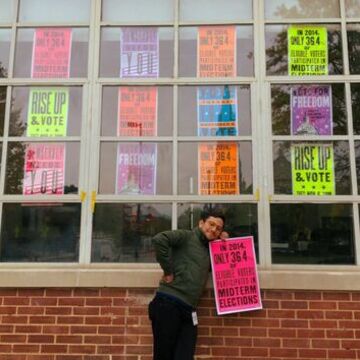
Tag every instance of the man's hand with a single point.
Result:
(224, 235)
(168, 278)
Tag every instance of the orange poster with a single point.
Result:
(218, 169)
(137, 111)
(216, 51)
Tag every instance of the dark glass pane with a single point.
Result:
(40, 233)
(2, 108)
(355, 105)
(240, 219)
(353, 36)
(312, 234)
(123, 232)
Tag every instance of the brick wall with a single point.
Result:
(112, 324)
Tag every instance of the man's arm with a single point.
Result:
(163, 244)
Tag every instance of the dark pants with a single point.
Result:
(173, 331)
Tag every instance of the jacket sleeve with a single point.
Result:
(163, 243)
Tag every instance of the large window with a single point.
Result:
(120, 119)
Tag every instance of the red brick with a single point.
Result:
(342, 354)
(7, 310)
(13, 338)
(42, 319)
(82, 349)
(14, 319)
(307, 295)
(285, 333)
(45, 339)
(56, 329)
(285, 314)
(8, 292)
(70, 320)
(111, 330)
(255, 352)
(98, 339)
(87, 292)
(6, 329)
(31, 292)
(44, 301)
(58, 292)
(348, 324)
(336, 296)
(5, 348)
(338, 314)
(96, 320)
(26, 348)
(271, 304)
(112, 292)
(83, 329)
(323, 324)
(54, 349)
(319, 334)
(28, 329)
(69, 339)
(348, 305)
(343, 334)
(278, 294)
(294, 304)
(325, 305)
(266, 342)
(110, 349)
(86, 310)
(58, 311)
(350, 344)
(296, 343)
(289, 353)
(310, 314)
(16, 301)
(73, 301)
(268, 323)
(225, 351)
(325, 344)
(294, 324)
(98, 301)
(30, 310)
(312, 354)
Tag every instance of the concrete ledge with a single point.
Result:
(147, 276)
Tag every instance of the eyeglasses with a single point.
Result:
(214, 225)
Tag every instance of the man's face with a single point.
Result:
(212, 227)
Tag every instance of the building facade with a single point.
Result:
(120, 119)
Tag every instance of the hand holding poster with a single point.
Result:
(312, 167)
(216, 51)
(307, 50)
(235, 278)
(51, 53)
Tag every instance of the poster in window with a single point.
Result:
(51, 53)
(235, 277)
(311, 110)
(139, 52)
(44, 169)
(307, 50)
(136, 169)
(312, 168)
(47, 112)
(137, 111)
(216, 55)
(218, 168)
(217, 111)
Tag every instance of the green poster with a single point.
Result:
(312, 169)
(47, 112)
(307, 50)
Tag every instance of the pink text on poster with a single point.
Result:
(137, 111)
(311, 110)
(136, 169)
(44, 169)
(139, 52)
(51, 53)
(235, 278)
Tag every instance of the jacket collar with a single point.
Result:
(201, 236)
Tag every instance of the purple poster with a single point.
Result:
(311, 110)
(136, 169)
(139, 52)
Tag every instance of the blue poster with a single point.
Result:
(217, 111)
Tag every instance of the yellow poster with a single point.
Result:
(312, 168)
(47, 112)
(307, 50)
(216, 51)
(218, 169)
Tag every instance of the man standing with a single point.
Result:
(184, 257)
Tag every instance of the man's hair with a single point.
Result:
(217, 213)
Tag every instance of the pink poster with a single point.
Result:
(235, 278)
(44, 169)
(136, 169)
(51, 53)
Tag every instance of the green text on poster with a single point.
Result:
(312, 168)
(47, 112)
(307, 51)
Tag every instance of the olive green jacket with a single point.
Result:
(185, 254)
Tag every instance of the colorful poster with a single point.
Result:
(312, 167)
(218, 168)
(44, 169)
(51, 53)
(311, 110)
(217, 111)
(307, 50)
(139, 52)
(136, 169)
(47, 112)
(137, 111)
(216, 51)
(235, 278)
